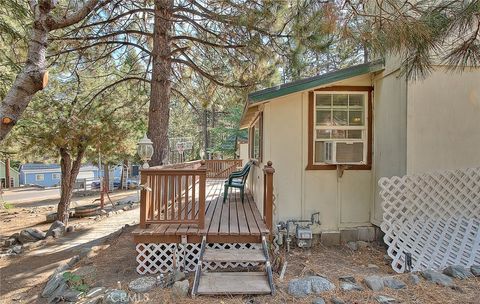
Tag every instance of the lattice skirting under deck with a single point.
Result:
(166, 257)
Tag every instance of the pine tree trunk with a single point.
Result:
(32, 78)
(123, 177)
(106, 178)
(70, 171)
(205, 133)
(159, 111)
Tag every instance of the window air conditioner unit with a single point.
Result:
(344, 152)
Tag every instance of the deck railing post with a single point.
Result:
(268, 171)
(201, 201)
(143, 201)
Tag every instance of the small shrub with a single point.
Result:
(8, 206)
(75, 282)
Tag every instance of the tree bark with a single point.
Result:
(7, 173)
(106, 177)
(123, 176)
(160, 91)
(34, 77)
(70, 171)
(205, 133)
(30, 79)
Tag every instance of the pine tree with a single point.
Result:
(220, 41)
(423, 33)
(65, 122)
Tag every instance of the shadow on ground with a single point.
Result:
(26, 274)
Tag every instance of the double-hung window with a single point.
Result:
(340, 131)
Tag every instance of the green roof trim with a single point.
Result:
(315, 81)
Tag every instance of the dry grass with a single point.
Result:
(118, 264)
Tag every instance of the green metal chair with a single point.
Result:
(237, 180)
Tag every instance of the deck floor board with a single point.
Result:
(251, 220)
(229, 222)
(233, 214)
(225, 218)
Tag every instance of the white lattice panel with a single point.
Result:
(154, 258)
(164, 258)
(435, 217)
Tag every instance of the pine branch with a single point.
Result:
(226, 19)
(113, 19)
(205, 42)
(111, 86)
(186, 99)
(100, 37)
(205, 74)
(87, 8)
(102, 43)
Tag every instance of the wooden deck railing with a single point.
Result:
(268, 196)
(221, 168)
(194, 164)
(173, 194)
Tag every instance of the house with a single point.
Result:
(49, 175)
(332, 137)
(14, 176)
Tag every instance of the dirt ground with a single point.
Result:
(331, 262)
(115, 267)
(16, 288)
(15, 219)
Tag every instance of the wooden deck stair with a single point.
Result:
(214, 283)
(234, 255)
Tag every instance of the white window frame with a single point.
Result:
(56, 176)
(259, 121)
(363, 128)
(38, 179)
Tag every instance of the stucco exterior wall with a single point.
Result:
(425, 125)
(444, 121)
(283, 146)
(390, 131)
(342, 202)
(421, 126)
(243, 152)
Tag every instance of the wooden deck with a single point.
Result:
(232, 222)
